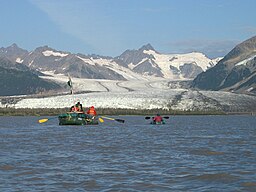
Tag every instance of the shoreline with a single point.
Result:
(110, 111)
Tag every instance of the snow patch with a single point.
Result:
(30, 63)
(19, 60)
(250, 89)
(52, 53)
(89, 61)
(245, 61)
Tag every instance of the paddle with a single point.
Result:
(101, 120)
(46, 119)
(166, 117)
(118, 120)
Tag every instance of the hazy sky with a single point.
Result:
(109, 27)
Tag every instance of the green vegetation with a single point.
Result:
(30, 112)
(100, 111)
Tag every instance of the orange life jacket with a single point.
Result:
(91, 111)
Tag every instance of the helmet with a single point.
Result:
(92, 106)
(158, 114)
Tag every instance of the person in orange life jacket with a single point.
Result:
(92, 111)
(158, 118)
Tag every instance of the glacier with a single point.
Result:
(151, 93)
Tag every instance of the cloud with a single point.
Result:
(212, 48)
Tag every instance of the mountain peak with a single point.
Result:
(12, 52)
(14, 45)
(147, 47)
(43, 48)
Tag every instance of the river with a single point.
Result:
(188, 153)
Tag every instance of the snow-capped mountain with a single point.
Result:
(139, 79)
(147, 61)
(77, 65)
(132, 64)
(235, 72)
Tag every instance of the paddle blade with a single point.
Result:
(147, 117)
(101, 120)
(166, 117)
(42, 120)
(107, 118)
(120, 120)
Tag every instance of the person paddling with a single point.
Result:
(157, 119)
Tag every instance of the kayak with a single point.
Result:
(74, 118)
(157, 123)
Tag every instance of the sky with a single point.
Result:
(109, 27)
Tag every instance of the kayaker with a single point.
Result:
(92, 111)
(157, 119)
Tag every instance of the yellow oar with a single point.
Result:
(101, 120)
(44, 120)
(118, 120)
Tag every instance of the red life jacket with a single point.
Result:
(158, 119)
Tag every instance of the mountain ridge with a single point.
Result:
(233, 71)
(145, 61)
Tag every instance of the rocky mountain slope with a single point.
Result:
(18, 79)
(236, 72)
